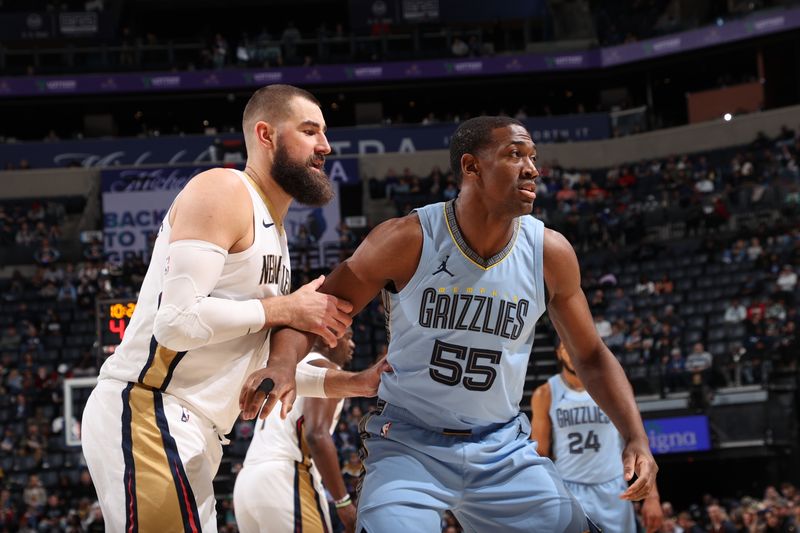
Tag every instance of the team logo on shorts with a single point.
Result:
(385, 429)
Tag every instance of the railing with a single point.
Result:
(187, 55)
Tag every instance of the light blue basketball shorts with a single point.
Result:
(492, 479)
(602, 504)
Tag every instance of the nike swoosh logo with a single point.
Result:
(264, 222)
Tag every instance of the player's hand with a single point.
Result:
(637, 459)
(348, 517)
(251, 399)
(319, 313)
(366, 382)
(652, 515)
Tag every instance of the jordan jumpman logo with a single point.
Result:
(443, 267)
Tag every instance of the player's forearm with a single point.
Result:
(325, 458)
(344, 384)
(288, 346)
(606, 382)
(276, 312)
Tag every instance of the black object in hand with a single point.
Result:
(266, 386)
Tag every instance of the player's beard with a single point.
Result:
(299, 180)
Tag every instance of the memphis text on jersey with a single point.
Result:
(584, 414)
(273, 271)
(467, 311)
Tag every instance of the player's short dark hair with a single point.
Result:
(270, 104)
(472, 136)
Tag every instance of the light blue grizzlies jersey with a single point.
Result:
(461, 330)
(586, 445)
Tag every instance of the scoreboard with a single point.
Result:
(113, 317)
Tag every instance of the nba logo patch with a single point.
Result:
(184, 415)
(166, 266)
(385, 429)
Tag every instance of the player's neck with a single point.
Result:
(572, 381)
(277, 199)
(484, 232)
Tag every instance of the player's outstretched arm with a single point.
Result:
(318, 414)
(390, 253)
(541, 427)
(596, 366)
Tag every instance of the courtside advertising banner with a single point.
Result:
(679, 434)
(136, 200)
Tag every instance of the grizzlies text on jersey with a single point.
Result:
(462, 329)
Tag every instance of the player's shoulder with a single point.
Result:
(543, 391)
(542, 397)
(398, 232)
(556, 245)
(218, 181)
(216, 191)
(561, 271)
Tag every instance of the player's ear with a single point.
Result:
(470, 166)
(264, 133)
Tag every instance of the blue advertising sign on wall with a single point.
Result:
(679, 434)
(200, 149)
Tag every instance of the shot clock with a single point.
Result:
(113, 317)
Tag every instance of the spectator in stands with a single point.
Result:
(775, 309)
(67, 292)
(698, 365)
(351, 471)
(46, 254)
(619, 305)
(94, 521)
(603, 326)
(673, 319)
(303, 242)
(735, 313)
(289, 39)
(54, 511)
(219, 51)
(450, 190)
(665, 285)
(718, 520)
(34, 494)
(736, 253)
(598, 301)
(645, 286)
(688, 525)
(459, 48)
(699, 359)
(25, 236)
(10, 339)
(94, 252)
(9, 442)
(754, 250)
(616, 341)
(674, 369)
(787, 279)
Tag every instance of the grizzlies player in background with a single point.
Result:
(569, 427)
(280, 488)
(465, 282)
